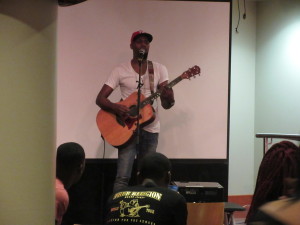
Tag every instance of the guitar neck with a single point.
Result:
(155, 95)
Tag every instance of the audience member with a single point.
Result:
(150, 202)
(279, 164)
(70, 164)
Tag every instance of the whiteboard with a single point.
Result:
(93, 37)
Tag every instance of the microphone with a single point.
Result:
(141, 54)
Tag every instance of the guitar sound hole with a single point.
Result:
(133, 111)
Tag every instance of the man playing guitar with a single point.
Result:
(126, 76)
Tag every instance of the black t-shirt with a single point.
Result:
(140, 205)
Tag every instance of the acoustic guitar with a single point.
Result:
(118, 131)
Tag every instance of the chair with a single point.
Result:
(229, 209)
(208, 213)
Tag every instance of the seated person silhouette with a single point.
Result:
(286, 210)
(278, 164)
(150, 202)
(70, 164)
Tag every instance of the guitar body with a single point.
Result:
(119, 132)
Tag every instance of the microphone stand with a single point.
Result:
(138, 105)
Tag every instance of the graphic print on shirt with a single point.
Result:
(131, 209)
(129, 203)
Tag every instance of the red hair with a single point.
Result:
(279, 162)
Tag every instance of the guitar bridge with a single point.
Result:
(129, 122)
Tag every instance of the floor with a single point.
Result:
(239, 221)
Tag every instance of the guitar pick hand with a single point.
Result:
(121, 110)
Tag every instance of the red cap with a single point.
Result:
(136, 34)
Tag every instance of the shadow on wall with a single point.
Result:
(31, 12)
(69, 2)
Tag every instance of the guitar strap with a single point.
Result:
(151, 76)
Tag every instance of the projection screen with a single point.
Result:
(94, 37)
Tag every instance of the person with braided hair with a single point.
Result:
(281, 162)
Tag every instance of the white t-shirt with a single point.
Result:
(125, 77)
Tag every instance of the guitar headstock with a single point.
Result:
(191, 72)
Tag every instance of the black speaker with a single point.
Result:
(201, 191)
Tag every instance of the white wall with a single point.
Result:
(277, 97)
(242, 96)
(264, 84)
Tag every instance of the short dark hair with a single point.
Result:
(69, 155)
(154, 166)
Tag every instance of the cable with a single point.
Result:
(104, 144)
(104, 149)
(244, 15)
(236, 29)
(102, 168)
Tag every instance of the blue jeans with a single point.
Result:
(126, 156)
